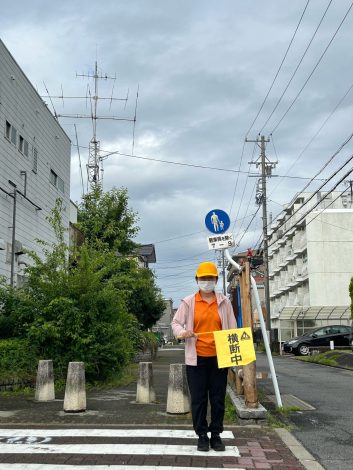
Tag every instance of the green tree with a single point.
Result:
(142, 296)
(88, 304)
(106, 220)
(74, 312)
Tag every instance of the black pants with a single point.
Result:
(206, 381)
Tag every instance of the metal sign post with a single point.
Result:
(218, 222)
(263, 330)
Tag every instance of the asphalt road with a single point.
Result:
(327, 431)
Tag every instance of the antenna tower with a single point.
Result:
(95, 160)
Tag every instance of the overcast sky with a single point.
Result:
(203, 69)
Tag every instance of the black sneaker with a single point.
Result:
(203, 444)
(216, 443)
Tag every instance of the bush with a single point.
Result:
(17, 358)
(150, 342)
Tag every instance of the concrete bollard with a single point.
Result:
(45, 381)
(178, 401)
(75, 391)
(145, 391)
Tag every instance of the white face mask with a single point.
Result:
(207, 286)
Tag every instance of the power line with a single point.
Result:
(228, 170)
(324, 221)
(312, 72)
(193, 233)
(297, 67)
(247, 208)
(236, 183)
(246, 229)
(339, 195)
(329, 161)
(316, 133)
(246, 182)
(185, 259)
(279, 68)
(319, 202)
(325, 165)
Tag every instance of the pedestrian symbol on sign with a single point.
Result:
(217, 221)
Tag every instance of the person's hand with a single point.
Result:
(187, 334)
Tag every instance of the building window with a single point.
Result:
(13, 135)
(35, 160)
(11, 132)
(53, 178)
(21, 143)
(8, 130)
(57, 181)
(61, 185)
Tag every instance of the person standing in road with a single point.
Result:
(204, 312)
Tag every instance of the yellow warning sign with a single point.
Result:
(234, 347)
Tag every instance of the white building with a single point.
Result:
(35, 157)
(311, 264)
(163, 325)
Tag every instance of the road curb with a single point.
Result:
(298, 450)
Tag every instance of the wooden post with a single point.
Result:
(249, 371)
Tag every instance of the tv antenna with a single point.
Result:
(95, 160)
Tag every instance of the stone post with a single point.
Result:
(178, 392)
(45, 381)
(75, 391)
(145, 391)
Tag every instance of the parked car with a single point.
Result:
(341, 335)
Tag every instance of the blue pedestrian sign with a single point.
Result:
(217, 221)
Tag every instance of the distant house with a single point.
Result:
(35, 169)
(146, 254)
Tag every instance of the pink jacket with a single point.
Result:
(184, 320)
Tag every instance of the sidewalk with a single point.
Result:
(123, 434)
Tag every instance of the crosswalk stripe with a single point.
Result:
(125, 449)
(156, 433)
(17, 466)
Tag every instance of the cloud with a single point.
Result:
(203, 70)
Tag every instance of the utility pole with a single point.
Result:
(13, 242)
(13, 237)
(261, 198)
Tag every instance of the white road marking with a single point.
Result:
(35, 466)
(157, 433)
(115, 449)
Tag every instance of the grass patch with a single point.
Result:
(319, 359)
(126, 377)
(230, 416)
(285, 410)
(18, 392)
(274, 421)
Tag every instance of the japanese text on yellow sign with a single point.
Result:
(234, 347)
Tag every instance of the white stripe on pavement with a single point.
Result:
(117, 449)
(41, 466)
(157, 433)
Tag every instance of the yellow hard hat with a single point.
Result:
(207, 269)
